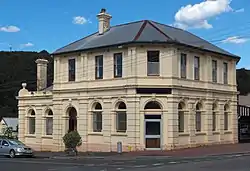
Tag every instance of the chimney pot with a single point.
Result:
(103, 10)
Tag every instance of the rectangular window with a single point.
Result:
(225, 73)
(32, 125)
(183, 65)
(121, 121)
(153, 59)
(196, 68)
(49, 126)
(198, 121)
(214, 71)
(72, 69)
(97, 121)
(225, 121)
(118, 65)
(99, 67)
(181, 121)
(214, 121)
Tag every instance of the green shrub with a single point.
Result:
(72, 140)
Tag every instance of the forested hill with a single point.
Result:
(243, 81)
(15, 68)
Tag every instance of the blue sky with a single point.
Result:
(49, 24)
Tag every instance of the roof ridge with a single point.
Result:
(167, 25)
(159, 30)
(138, 34)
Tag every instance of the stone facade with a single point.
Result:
(83, 93)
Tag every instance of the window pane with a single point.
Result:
(153, 128)
(32, 125)
(49, 126)
(183, 65)
(153, 56)
(214, 121)
(71, 64)
(225, 120)
(121, 122)
(118, 65)
(153, 68)
(196, 68)
(214, 71)
(198, 121)
(181, 121)
(99, 67)
(97, 121)
(225, 73)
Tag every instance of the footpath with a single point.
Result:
(206, 151)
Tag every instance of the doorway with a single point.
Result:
(153, 132)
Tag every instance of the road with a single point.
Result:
(224, 163)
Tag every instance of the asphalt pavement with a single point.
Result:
(216, 163)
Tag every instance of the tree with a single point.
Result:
(71, 141)
(15, 68)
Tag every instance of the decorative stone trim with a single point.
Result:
(216, 132)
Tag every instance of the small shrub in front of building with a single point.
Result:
(72, 140)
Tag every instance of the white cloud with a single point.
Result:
(240, 10)
(79, 20)
(10, 29)
(26, 45)
(197, 15)
(235, 40)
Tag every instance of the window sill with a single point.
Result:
(216, 132)
(117, 77)
(183, 134)
(153, 76)
(119, 134)
(200, 133)
(47, 136)
(95, 133)
(228, 132)
(30, 135)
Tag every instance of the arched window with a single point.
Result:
(226, 111)
(72, 113)
(198, 118)
(97, 117)
(32, 121)
(214, 118)
(49, 122)
(121, 117)
(152, 105)
(181, 117)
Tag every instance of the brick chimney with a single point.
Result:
(104, 21)
(42, 65)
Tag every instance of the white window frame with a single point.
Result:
(47, 117)
(32, 117)
(214, 71)
(152, 64)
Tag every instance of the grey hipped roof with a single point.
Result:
(144, 31)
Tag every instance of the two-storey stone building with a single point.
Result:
(146, 84)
